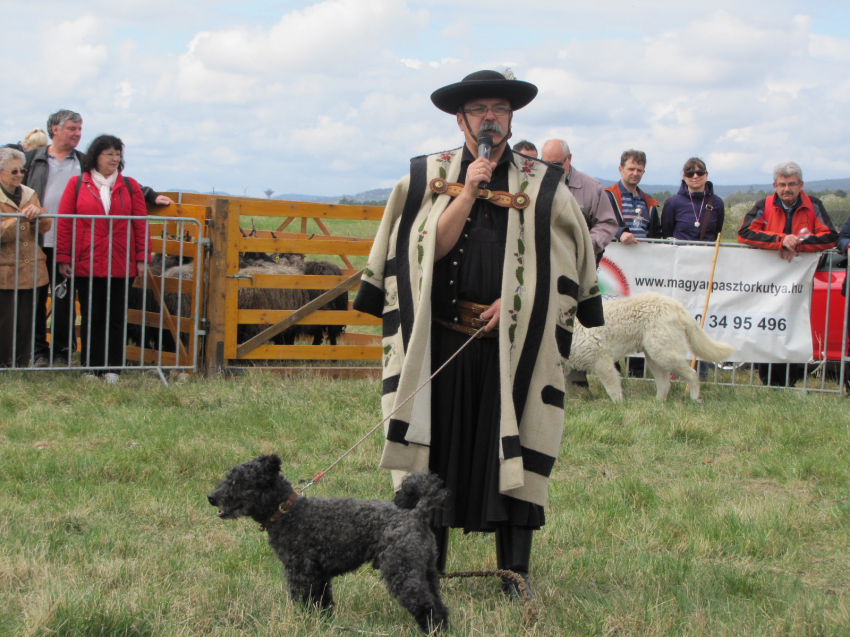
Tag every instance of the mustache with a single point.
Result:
(491, 126)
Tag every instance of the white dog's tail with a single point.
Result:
(701, 345)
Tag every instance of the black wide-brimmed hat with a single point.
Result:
(483, 84)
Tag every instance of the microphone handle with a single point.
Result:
(484, 151)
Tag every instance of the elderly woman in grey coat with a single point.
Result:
(22, 263)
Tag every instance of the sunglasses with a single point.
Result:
(698, 173)
(22, 171)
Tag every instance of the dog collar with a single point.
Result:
(282, 509)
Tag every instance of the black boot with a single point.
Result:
(441, 535)
(513, 553)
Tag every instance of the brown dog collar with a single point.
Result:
(504, 199)
(282, 509)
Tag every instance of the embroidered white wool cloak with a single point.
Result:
(549, 280)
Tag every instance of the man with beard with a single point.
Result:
(468, 243)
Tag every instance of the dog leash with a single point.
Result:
(321, 475)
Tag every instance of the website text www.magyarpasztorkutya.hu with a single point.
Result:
(695, 285)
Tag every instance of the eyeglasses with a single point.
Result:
(698, 173)
(118, 155)
(499, 110)
(16, 171)
(557, 163)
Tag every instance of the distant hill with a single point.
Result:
(310, 198)
(377, 194)
(382, 194)
(195, 192)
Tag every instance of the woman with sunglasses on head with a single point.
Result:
(22, 263)
(695, 213)
(106, 259)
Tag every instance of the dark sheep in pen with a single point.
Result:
(340, 303)
(271, 299)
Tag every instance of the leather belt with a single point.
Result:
(504, 199)
(470, 320)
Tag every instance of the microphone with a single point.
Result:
(485, 144)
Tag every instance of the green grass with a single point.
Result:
(726, 518)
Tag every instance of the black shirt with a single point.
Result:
(472, 270)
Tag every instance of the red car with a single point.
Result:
(828, 284)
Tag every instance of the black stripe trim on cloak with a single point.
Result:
(391, 323)
(567, 287)
(418, 185)
(511, 447)
(537, 462)
(389, 268)
(590, 312)
(370, 299)
(390, 385)
(564, 339)
(537, 320)
(552, 396)
(397, 431)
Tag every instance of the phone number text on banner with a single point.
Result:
(759, 303)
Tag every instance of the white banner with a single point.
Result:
(759, 303)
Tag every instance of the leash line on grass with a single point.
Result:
(321, 475)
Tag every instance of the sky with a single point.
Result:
(332, 97)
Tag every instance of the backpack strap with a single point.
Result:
(80, 183)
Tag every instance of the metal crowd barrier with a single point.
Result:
(825, 372)
(162, 339)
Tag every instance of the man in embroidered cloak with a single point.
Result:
(789, 221)
(451, 257)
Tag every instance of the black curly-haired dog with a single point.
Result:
(319, 538)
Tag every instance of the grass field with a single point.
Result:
(727, 518)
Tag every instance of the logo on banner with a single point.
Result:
(612, 280)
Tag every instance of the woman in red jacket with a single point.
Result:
(103, 256)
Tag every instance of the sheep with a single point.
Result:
(271, 298)
(339, 303)
(251, 263)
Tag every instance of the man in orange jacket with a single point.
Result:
(789, 221)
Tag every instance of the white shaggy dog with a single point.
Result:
(656, 325)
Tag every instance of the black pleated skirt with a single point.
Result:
(465, 414)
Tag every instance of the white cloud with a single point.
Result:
(124, 95)
(334, 37)
(332, 96)
(71, 54)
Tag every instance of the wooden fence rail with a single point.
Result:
(227, 227)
